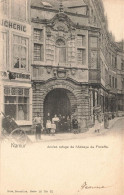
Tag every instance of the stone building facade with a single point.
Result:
(15, 64)
(76, 64)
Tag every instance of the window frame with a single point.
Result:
(21, 46)
(39, 42)
(18, 104)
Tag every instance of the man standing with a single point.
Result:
(37, 121)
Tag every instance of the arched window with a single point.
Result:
(60, 51)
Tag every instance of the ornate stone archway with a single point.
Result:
(76, 94)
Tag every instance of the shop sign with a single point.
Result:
(13, 25)
(15, 75)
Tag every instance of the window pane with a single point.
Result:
(23, 112)
(3, 48)
(38, 52)
(38, 35)
(62, 54)
(20, 50)
(81, 40)
(16, 56)
(23, 57)
(17, 107)
(81, 56)
(93, 42)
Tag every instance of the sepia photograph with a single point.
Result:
(61, 97)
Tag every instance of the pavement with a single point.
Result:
(67, 136)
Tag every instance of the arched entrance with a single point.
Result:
(60, 102)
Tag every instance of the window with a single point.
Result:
(3, 49)
(38, 52)
(38, 35)
(93, 42)
(81, 49)
(19, 9)
(20, 52)
(60, 51)
(38, 45)
(122, 65)
(115, 82)
(110, 80)
(3, 7)
(81, 40)
(123, 84)
(115, 62)
(81, 56)
(17, 103)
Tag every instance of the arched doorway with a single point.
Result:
(60, 102)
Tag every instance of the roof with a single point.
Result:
(55, 3)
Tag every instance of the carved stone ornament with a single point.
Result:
(49, 69)
(61, 22)
(61, 74)
(48, 32)
(73, 71)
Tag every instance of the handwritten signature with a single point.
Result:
(86, 186)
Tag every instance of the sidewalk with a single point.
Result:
(68, 136)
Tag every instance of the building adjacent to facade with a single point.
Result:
(15, 64)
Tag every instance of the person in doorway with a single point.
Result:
(55, 120)
(21, 113)
(17, 64)
(60, 123)
(37, 121)
(68, 123)
(98, 122)
(75, 124)
(48, 126)
(106, 120)
(48, 116)
(53, 128)
(64, 123)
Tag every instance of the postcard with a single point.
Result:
(61, 97)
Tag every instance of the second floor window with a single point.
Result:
(3, 7)
(81, 56)
(3, 49)
(19, 9)
(122, 65)
(38, 45)
(60, 51)
(20, 52)
(110, 83)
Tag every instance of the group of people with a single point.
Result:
(56, 124)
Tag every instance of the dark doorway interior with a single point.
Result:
(57, 102)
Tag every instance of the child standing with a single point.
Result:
(53, 128)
